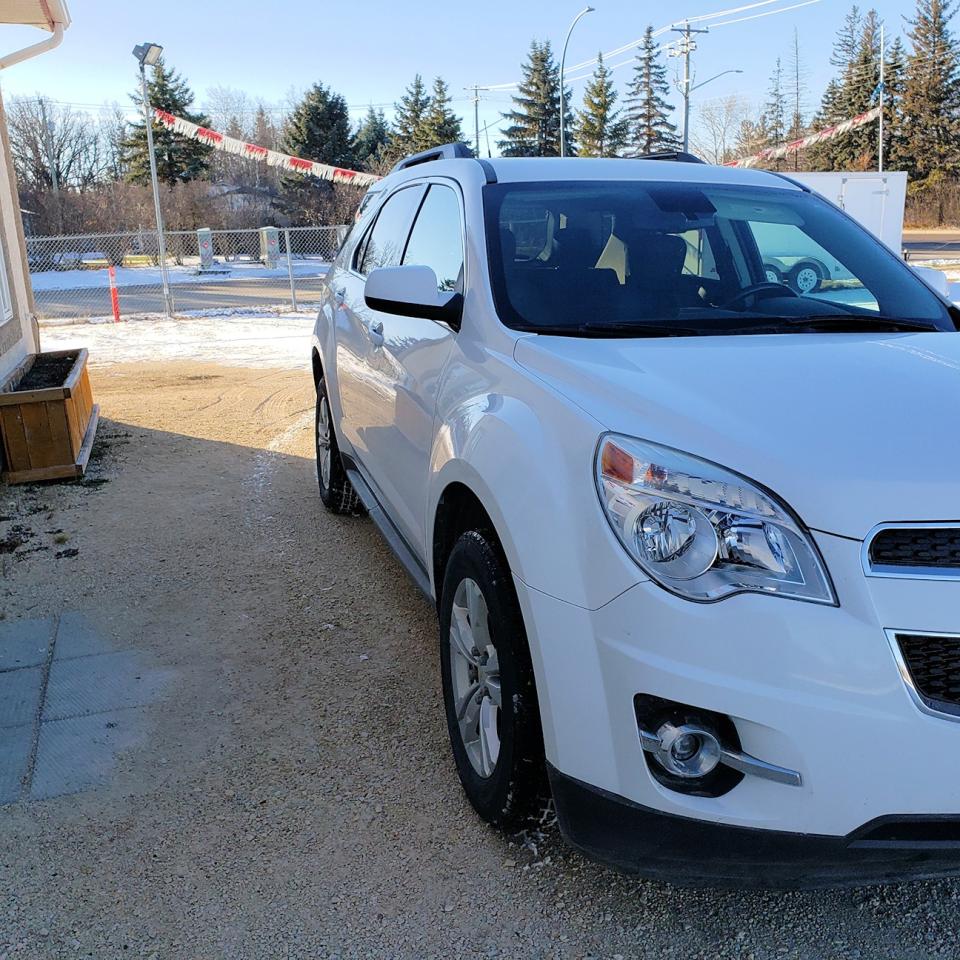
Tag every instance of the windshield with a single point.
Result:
(638, 257)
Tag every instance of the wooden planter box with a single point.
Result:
(47, 418)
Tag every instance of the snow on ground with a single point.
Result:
(279, 340)
(150, 276)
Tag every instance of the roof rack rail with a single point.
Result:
(446, 151)
(679, 156)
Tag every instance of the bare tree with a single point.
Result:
(53, 146)
(717, 123)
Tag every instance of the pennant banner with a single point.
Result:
(776, 153)
(231, 145)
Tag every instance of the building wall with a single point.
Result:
(18, 334)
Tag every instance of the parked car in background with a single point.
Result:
(690, 526)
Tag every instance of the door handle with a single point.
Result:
(375, 331)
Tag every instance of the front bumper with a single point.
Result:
(810, 688)
(687, 852)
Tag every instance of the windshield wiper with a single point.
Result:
(851, 321)
(597, 328)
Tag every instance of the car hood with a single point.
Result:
(850, 429)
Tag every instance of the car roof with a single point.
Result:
(547, 169)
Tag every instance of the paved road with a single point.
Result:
(932, 244)
(242, 292)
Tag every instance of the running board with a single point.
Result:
(394, 538)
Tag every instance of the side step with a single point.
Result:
(390, 533)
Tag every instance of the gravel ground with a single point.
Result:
(295, 797)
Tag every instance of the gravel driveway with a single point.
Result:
(291, 794)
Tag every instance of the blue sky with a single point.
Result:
(369, 51)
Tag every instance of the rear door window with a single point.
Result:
(384, 245)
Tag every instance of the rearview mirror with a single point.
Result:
(411, 291)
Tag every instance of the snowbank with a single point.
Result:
(276, 340)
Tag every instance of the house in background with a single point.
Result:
(18, 327)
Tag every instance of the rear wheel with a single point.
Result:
(336, 491)
(488, 686)
(805, 277)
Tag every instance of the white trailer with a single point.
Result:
(874, 199)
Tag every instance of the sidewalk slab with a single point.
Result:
(24, 643)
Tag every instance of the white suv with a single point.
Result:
(693, 536)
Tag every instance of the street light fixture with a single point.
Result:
(717, 76)
(563, 60)
(148, 54)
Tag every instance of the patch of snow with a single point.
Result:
(150, 276)
(276, 340)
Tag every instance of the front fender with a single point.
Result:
(527, 453)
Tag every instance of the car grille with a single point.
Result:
(936, 548)
(934, 666)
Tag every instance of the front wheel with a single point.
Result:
(489, 692)
(336, 491)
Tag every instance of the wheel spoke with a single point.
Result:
(477, 608)
(466, 698)
(493, 689)
(462, 635)
(489, 745)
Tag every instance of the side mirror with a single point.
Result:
(934, 278)
(411, 291)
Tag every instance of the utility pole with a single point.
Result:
(880, 143)
(476, 117)
(51, 161)
(685, 46)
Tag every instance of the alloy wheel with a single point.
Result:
(324, 453)
(475, 672)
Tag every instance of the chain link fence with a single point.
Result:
(118, 275)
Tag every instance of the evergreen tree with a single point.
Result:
(371, 139)
(895, 68)
(775, 112)
(439, 124)
(534, 122)
(601, 132)
(408, 119)
(318, 129)
(647, 109)
(931, 99)
(857, 53)
(179, 158)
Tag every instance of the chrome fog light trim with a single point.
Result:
(711, 752)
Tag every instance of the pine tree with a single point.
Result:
(775, 112)
(534, 123)
(601, 131)
(931, 98)
(857, 53)
(647, 109)
(318, 129)
(439, 124)
(895, 68)
(371, 140)
(178, 157)
(408, 119)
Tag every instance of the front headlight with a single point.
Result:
(701, 531)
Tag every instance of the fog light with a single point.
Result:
(687, 751)
(685, 746)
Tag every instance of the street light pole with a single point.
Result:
(150, 53)
(563, 61)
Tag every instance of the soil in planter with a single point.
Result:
(47, 372)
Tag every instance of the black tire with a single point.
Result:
(772, 273)
(796, 276)
(336, 491)
(517, 782)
